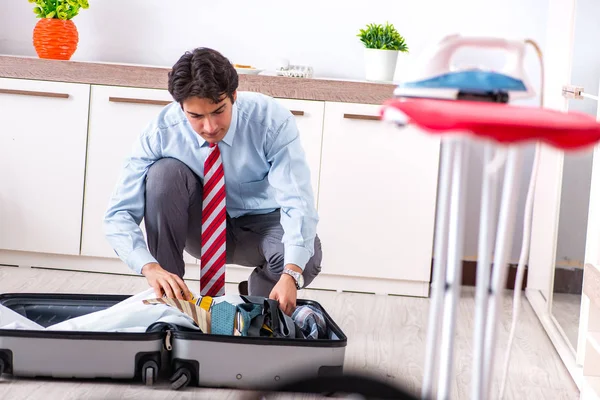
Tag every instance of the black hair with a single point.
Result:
(203, 73)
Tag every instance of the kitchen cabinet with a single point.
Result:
(117, 116)
(64, 146)
(377, 196)
(42, 164)
(309, 119)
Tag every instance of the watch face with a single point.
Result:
(301, 281)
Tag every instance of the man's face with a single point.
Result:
(210, 120)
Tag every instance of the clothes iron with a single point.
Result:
(435, 76)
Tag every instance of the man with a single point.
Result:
(222, 175)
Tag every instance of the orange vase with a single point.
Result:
(55, 38)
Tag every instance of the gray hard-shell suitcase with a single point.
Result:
(196, 358)
(71, 354)
(250, 362)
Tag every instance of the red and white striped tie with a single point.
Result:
(212, 259)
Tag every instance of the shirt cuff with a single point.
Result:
(138, 258)
(296, 255)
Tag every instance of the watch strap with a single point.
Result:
(294, 275)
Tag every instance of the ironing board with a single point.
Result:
(504, 129)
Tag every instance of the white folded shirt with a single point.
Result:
(13, 320)
(130, 315)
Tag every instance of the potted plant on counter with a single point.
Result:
(382, 44)
(55, 35)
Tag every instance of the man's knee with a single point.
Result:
(313, 266)
(275, 262)
(165, 178)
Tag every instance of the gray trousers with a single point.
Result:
(173, 222)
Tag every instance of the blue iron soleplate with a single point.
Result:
(476, 80)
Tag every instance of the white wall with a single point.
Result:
(318, 33)
(586, 58)
(315, 32)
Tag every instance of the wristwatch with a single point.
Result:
(298, 278)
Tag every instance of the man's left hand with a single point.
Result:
(285, 291)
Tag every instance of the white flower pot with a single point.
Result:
(380, 65)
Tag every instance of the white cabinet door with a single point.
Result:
(42, 164)
(117, 116)
(309, 118)
(377, 196)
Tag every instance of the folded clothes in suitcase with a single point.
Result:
(259, 362)
(91, 336)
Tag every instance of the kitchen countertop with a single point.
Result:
(142, 76)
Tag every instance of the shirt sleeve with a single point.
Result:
(290, 176)
(126, 206)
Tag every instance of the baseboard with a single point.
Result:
(469, 275)
(568, 280)
(234, 273)
(568, 277)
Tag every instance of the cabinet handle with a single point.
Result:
(296, 112)
(139, 101)
(32, 93)
(363, 117)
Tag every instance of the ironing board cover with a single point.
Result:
(503, 123)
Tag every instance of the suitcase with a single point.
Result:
(210, 360)
(70, 354)
(247, 362)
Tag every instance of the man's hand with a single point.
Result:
(165, 282)
(285, 291)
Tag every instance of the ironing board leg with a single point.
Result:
(485, 244)
(506, 222)
(454, 269)
(439, 269)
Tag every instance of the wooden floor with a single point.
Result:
(386, 337)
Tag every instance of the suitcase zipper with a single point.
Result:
(168, 341)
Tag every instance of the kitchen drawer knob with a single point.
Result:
(298, 113)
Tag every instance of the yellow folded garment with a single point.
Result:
(200, 316)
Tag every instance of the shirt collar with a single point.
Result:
(233, 126)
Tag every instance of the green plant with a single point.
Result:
(59, 9)
(377, 36)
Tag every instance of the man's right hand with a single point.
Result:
(165, 282)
